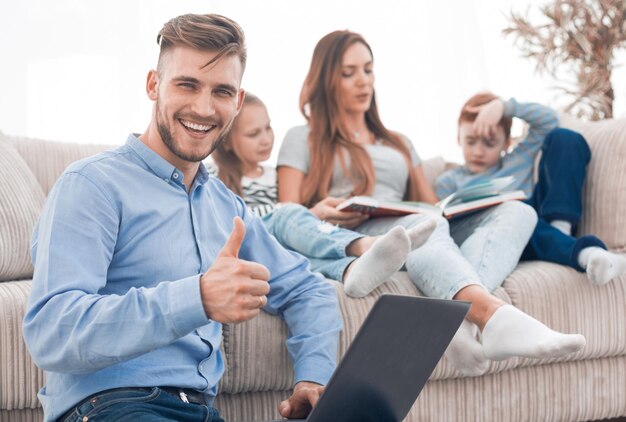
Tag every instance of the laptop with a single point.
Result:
(389, 360)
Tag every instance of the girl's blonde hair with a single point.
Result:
(229, 166)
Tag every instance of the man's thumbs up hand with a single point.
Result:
(233, 244)
(234, 290)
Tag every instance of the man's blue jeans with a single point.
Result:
(558, 196)
(139, 405)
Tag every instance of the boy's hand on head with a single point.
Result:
(234, 290)
(488, 117)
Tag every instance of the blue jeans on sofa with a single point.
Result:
(558, 196)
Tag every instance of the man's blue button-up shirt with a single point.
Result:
(115, 302)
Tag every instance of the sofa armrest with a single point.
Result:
(20, 379)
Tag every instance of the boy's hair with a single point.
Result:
(229, 166)
(209, 32)
(480, 99)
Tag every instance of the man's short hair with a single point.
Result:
(208, 32)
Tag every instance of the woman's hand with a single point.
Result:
(488, 117)
(325, 210)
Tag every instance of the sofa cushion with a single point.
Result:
(432, 168)
(255, 352)
(20, 380)
(21, 201)
(565, 300)
(48, 159)
(604, 198)
(559, 296)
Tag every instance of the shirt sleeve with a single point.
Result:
(305, 300)
(445, 184)
(541, 120)
(294, 151)
(69, 327)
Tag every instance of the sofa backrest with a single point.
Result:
(604, 194)
(28, 170)
(30, 167)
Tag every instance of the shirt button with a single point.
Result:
(175, 176)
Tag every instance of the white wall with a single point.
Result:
(74, 70)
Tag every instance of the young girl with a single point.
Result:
(332, 251)
(484, 135)
(346, 150)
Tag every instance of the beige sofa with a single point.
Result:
(589, 385)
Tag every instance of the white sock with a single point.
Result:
(378, 263)
(510, 332)
(564, 226)
(601, 265)
(465, 353)
(419, 234)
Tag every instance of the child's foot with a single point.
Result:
(601, 265)
(465, 353)
(510, 332)
(378, 263)
(420, 233)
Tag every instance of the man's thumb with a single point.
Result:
(233, 244)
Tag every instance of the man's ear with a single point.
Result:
(152, 84)
(240, 97)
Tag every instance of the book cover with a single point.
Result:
(460, 208)
(375, 208)
(469, 199)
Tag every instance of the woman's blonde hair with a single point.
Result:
(320, 103)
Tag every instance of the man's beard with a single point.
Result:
(171, 143)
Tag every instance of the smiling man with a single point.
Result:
(140, 256)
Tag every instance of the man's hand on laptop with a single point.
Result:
(234, 290)
(304, 398)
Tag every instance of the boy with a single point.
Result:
(484, 135)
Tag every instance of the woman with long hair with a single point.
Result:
(345, 150)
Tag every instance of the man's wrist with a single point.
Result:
(186, 306)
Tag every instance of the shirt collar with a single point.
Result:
(160, 166)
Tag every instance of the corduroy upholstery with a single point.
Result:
(588, 385)
(22, 200)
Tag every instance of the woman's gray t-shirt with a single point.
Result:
(389, 165)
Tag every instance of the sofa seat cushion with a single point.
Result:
(21, 202)
(566, 301)
(20, 379)
(561, 297)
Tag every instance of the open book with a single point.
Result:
(466, 200)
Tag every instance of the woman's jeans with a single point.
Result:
(139, 405)
(324, 244)
(558, 196)
(491, 243)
